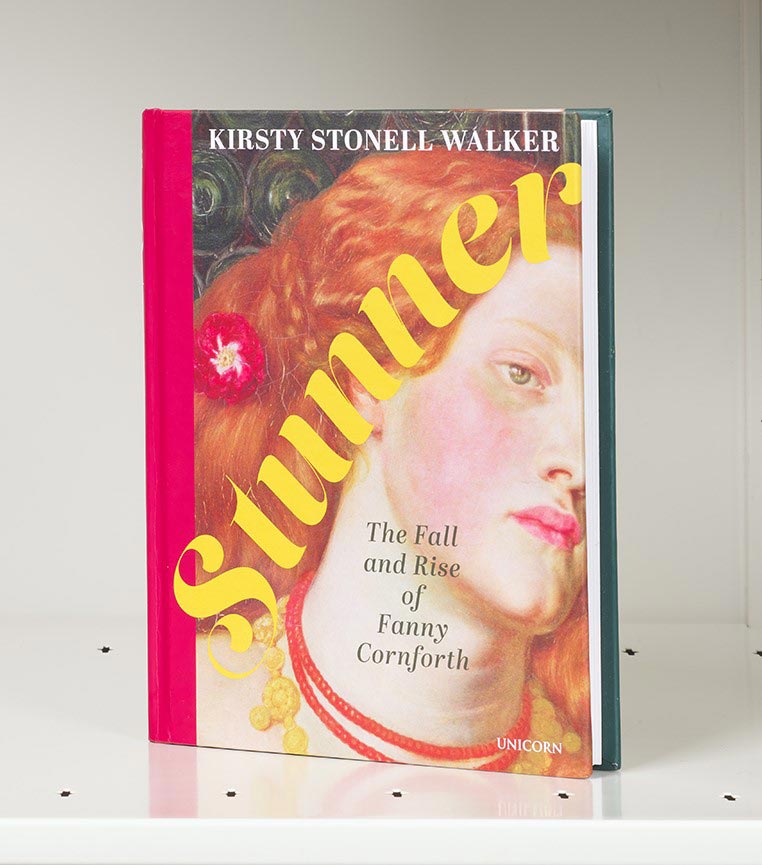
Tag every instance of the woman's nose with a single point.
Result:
(561, 456)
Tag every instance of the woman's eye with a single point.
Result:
(522, 376)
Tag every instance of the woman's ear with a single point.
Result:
(370, 408)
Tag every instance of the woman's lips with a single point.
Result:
(550, 525)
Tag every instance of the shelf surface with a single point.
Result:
(74, 719)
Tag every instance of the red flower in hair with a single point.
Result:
(229, 362)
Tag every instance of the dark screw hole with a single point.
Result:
(104, 649)
(65, 793)
(759, 652)
(729, 797)
(631, 651)
(397, 794)
(230, 794)
(563, 795)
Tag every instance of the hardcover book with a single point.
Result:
(380, 436)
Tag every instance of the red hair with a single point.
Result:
(307, 287)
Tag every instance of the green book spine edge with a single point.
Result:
(611, 752)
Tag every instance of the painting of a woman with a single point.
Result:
(486, 666)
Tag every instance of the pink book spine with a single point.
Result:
(168, 298)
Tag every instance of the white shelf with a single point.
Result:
(74, 718)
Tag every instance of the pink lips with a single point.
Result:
(550, 525)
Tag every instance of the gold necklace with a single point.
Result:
(280, 698)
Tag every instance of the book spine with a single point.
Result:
(612, 756)
(611, 738)
(170, 505)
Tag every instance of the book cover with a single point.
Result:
(379, 384)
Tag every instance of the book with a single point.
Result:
(380, 436)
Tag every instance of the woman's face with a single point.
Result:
(491, 441)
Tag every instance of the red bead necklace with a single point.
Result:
(307, 673)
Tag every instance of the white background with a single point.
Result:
(75, 77)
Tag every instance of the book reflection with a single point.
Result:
(217, 782)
